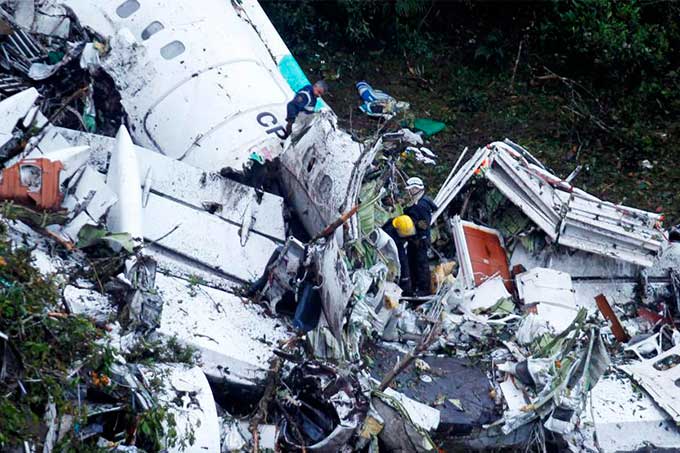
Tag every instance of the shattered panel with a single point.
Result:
(659, 376)
(322, 169)
(235, 340)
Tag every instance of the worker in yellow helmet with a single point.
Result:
(402, 229)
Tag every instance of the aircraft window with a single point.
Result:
(128, 8)
(31, 177)
(153, 28)
(172, 50)
(326, 187)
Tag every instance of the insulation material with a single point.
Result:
(551, 294)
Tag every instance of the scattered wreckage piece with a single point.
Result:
(235, 340)
(19, 49)
(322, 407)
(608, 313)
(238, 114)
(568, 216)
(322, 169)
(551, 295)
(622, 419)
(398, 432)
(14, 109)
(656, 370)
(561, 374)
(32, 182)
(337, 286)
(89, 303)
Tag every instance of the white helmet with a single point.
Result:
(415, 183)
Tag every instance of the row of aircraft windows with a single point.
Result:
(169, 51)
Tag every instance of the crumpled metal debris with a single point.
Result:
(155, 230)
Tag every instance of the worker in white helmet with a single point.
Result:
(420, 208)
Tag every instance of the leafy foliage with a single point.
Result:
(45, 345)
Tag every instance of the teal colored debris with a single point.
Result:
(54, 57)
(428, 127)
(90, 123)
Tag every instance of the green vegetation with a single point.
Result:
(580, 82)
(45, 348)
(50, 357)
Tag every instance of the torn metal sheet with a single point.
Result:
(455, 183)
(189, 398)
(337, 285)
(89, 303)
(577, 263)
(400, 434)
(657, 371)
(569, 216)
(552, 294)
(236, 340)
(322, 169)
(481, 254)
(619, 418)
(14, 109)
(486, 295)
(241, 91)
(323, 408)
(90, 192)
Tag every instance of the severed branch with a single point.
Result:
(273, 377)
(514, 70)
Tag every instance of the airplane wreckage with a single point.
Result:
(551, 319)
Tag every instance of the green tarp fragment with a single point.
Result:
(428, 127)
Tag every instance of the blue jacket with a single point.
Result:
(304, 101)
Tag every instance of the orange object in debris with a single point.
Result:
(483, 166)
(487, 254)
(606, 310)
(32, 182)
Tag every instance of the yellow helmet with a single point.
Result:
(404, 226)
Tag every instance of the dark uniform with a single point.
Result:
(421, 213)
(405, 278)
(303, 102)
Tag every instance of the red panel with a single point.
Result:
(49, 196)
(487, 255)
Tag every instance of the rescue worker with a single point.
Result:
(401, 229)
(420, 210)
(305, 102)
